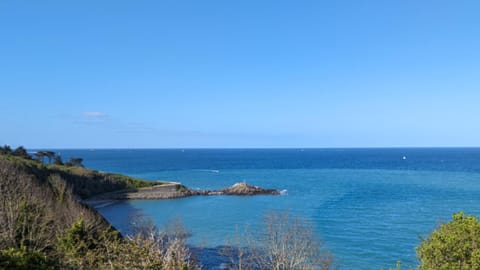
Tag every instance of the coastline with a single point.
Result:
(173, 190)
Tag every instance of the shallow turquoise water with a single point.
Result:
(370, 210)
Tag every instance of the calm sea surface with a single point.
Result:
(370, 206)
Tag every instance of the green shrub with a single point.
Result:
(453, 246)
(23, 259)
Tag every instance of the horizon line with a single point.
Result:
(254, 148)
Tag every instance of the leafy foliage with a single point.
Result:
(75, 162)
(19, 152)
(23, 259)
(6, 150)
(149, 248)
(455, 245)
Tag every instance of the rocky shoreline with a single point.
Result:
(240, 189)
(173, 190)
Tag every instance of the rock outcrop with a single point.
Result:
(176, 190)
(246, 189)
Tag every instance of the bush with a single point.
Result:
(455, 245)
(23, 259)
(83, 248)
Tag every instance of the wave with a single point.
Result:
(211, 171)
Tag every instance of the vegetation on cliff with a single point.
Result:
(44, 226)
(83, 182)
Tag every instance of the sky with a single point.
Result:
(239, 74)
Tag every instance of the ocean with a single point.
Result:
(370, 207)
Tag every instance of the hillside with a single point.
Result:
(43, 225)
(84, 182)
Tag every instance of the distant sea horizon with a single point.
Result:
(248, 148)
(370, 206)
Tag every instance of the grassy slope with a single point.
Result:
(84, 182)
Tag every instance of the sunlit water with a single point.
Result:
(369, 206)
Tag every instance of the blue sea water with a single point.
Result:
(370, 206)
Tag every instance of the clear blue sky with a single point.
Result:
(141, 74)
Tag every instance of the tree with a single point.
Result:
(49, 155)
(5, 150)
(75, 162)
(453, 246)
(40, 155)
(284, 243)
(26, 210)
(58, 160)
(21, 152)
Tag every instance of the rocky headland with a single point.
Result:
(172, 190)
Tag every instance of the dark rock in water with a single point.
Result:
(174, 190)
(246, 189)
(239, 189)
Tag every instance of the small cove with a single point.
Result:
(369, 214)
